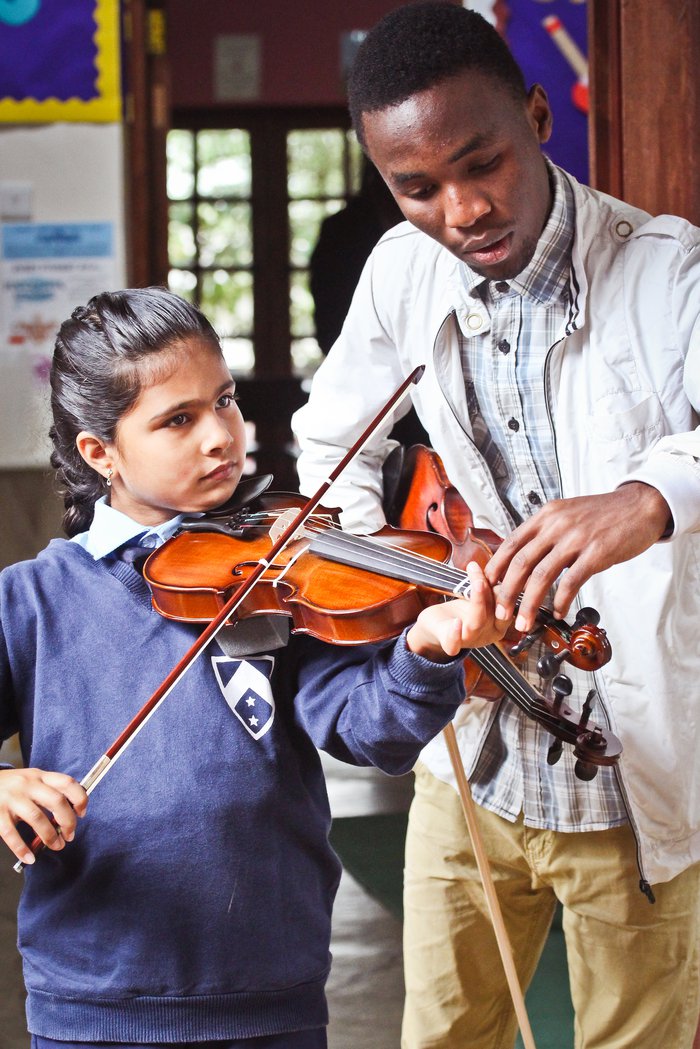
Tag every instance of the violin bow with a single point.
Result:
(505, 948)
(105, 763)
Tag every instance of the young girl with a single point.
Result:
(193, 904)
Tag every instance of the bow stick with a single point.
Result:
(103, 765)
(504, 946)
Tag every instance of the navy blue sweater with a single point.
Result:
(195, 901)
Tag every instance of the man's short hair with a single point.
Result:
(418, 45)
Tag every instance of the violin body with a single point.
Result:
(193, 575)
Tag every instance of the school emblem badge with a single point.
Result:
(245, 685)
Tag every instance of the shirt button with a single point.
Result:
(534, 498)
(474, 321)
(504, 346)
(513, 424)
(502, 286)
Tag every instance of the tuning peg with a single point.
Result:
(562, 686)
(525, 642)
(586, 617)
(585, 770)
(549, 663)
(554, 752)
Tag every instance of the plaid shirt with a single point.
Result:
(503, 358)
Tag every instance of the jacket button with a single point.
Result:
(513, 424)
(474, 321)
(623, 228)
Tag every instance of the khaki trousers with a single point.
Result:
(633, 966)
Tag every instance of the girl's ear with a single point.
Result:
(94, 452)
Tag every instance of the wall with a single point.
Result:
(75, 173)
(300, 47)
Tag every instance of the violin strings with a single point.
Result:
(497, 666)
(447, 573)
(363, 551)
(374, 555)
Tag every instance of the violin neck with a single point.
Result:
(370, 554)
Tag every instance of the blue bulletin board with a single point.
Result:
(59, 60)
(549, 41)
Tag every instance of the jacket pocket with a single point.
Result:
(615, 435)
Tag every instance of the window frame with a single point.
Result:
(271, 268)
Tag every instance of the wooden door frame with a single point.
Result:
(644, 128)
(146, 123)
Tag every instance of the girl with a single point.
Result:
(194, 904)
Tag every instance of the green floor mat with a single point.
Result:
(371, 849)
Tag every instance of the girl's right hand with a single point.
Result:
(442, 631)
(28, 795)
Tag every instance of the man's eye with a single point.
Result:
(486, 165)
(226, 400)
(178, 420)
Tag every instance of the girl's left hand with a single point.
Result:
(442, 631)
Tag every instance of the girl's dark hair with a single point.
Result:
(418, 45)
(97, 373)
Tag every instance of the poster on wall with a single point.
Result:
(59, 61)
(549, 41)
(46, 270)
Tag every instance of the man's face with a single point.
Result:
(463, 161)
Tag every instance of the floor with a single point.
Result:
(365, 990)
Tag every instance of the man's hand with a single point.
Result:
(584, 535)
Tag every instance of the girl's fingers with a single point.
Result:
(48, 802)
(14, 841)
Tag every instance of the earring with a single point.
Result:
(108, 478)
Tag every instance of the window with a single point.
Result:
(245, 206)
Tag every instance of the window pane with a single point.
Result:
(184, 283)
(315, 163)
(225, 235)
(181, 247)
(224, 163)
(305, 218)
(301, 305)
(180, 164)
(239, 356)
(356, 162)
(227, 300)
(306, 356)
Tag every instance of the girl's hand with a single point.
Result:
(28, 795)
(442, 631)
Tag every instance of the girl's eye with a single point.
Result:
(178, 420)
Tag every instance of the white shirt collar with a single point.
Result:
(110, 529)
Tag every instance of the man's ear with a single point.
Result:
(539, 112)
(94, 452)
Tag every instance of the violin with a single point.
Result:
(420, 495)
(229, 591)
(353, 589)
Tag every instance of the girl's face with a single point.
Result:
(181, 447)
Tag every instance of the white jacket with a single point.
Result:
(625, 381)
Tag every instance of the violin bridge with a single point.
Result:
(284, 520)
